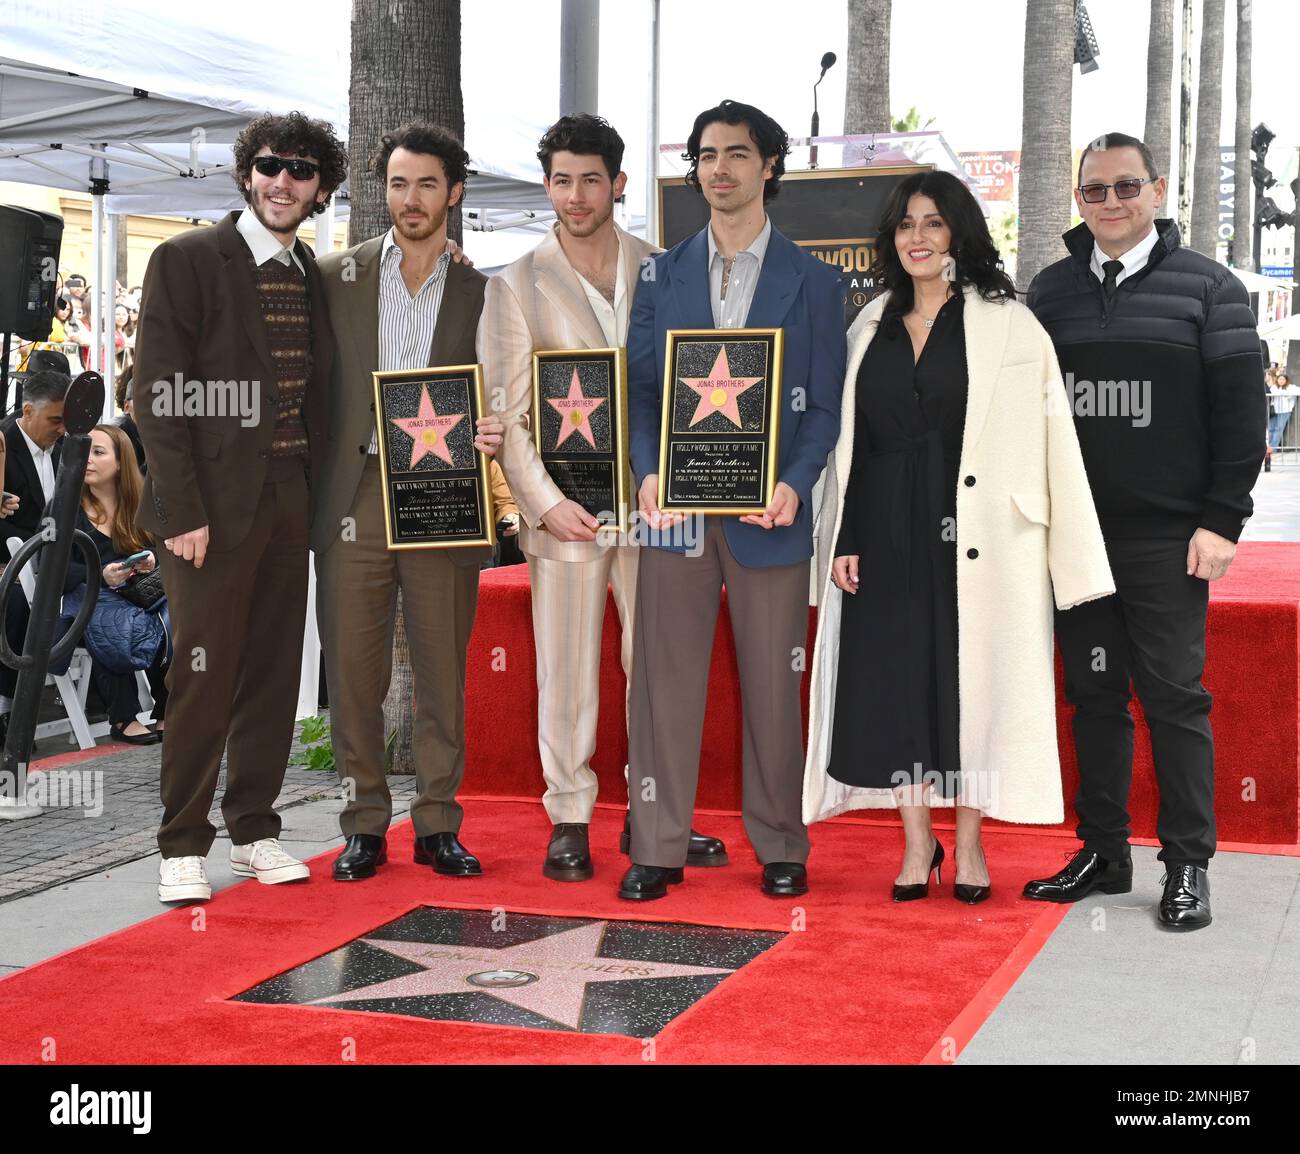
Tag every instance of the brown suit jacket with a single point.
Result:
(352, 289)
(205, 385)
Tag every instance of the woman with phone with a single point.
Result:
(123, 635)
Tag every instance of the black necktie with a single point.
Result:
(1112, 269)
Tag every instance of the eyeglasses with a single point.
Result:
(1124, 190)
(272, 166)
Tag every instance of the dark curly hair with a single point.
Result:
(769, 138)
(428, 140)
(975, 257)
(292, 135)
(583, 135)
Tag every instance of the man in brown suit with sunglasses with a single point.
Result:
(233, 350)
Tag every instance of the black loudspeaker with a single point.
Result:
(29, 265)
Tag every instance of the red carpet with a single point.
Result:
(864, 981)
(1252, 671)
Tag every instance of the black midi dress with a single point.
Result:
(896, 705)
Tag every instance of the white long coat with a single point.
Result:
(1031, 517)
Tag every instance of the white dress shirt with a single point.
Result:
(612, 317)
(1134, 260)
(733, 311)
(406, 322)
(44, 461)
(262, 244)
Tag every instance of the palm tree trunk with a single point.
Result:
(1045, 135)
(866, 91)
(1242, 256)
(1209, 114)
(1158, 133)
(405, 64)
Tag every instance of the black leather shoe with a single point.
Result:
(1087, 871)
(701, 851)
(1186, 901)
(149, 737)
(785, 879)
(646, 883)
(568, 857)
(361, 854)
(447, 856)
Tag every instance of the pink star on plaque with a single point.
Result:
(428, 430)
(575, 412)
(719, 390)
(547, 976)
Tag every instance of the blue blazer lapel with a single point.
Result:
(778, 284)
(690, 277)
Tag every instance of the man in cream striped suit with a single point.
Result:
(573, 291)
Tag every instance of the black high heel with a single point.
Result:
(911, 893)
(971, 895)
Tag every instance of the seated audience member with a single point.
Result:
(123, 634)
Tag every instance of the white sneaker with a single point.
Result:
(266, 861)
(183, 879)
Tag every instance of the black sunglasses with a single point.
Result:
(1124, 190)
(272, 166)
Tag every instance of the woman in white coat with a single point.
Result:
(954, 507)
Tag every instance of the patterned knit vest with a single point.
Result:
(286, 312)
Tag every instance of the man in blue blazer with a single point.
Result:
(738, 272)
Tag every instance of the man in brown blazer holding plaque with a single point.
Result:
(399, 302)
(233, 352)
(573, 291)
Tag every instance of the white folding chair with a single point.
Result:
(71, 686)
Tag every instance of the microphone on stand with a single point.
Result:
(828, 59)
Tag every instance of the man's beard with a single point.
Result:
(594, 222)
(255, 203)
(420, 229)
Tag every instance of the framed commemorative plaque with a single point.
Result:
(721, 420)
(580, 428)
(437, 494)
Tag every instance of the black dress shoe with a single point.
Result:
(1087, 871)
(149, 737)
(646, 883)
(447, 856)
(568, 857)
(361, 854)
(785, 879)
(1186, 901)
(701, 851)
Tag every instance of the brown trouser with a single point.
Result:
(237, 626)
(356, 608)
(676, 611)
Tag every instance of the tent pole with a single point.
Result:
(652, 171)
(110, 327)
(97, 279)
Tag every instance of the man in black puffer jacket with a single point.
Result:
(1161, 362)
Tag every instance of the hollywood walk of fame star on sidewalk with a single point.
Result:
(428, 430)
(562, 963)
(719, 390)
(575, 412)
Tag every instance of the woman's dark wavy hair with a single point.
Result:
(975, 257)
(294, 134)
(428, 140)
(769, 138)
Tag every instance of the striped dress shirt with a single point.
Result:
(406, 322)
